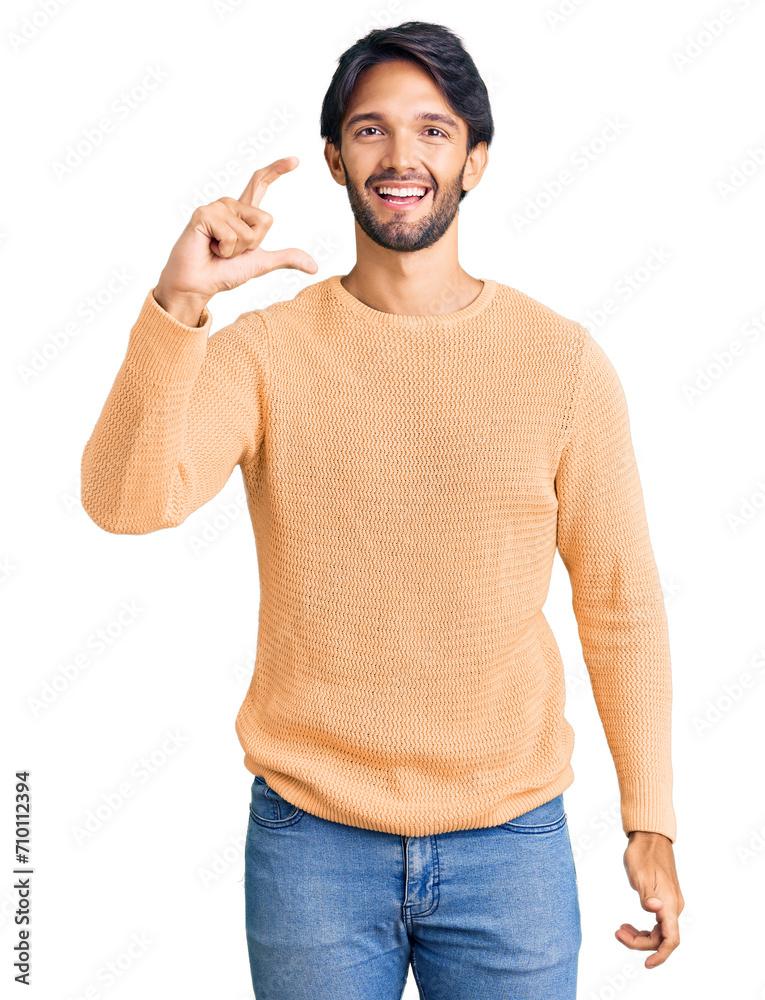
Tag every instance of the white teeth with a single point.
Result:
(402, 192)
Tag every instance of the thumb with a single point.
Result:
(297, 259)
(651, 903)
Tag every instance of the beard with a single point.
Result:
(399, 232)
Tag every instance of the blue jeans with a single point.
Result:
(336, 912)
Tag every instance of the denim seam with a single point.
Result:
(436, 878)
(403, 984)
(537, 828)
(276, 824)
(417, 977)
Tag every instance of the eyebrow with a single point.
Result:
(375, 116)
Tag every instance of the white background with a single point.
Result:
(183, 665)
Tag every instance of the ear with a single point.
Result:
(332, 156)
(476, 163)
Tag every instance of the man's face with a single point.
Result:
(385, 144)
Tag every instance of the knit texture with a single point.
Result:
(409, 478)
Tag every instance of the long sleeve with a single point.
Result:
(604, 543)
(184, 410)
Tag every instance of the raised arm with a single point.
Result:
(183, 411)
(186, 408)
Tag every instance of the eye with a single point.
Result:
(431, 128)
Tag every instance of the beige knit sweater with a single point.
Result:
(409, 478)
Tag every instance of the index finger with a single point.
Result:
(670, 932)
(263, 176)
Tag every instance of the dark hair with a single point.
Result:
(434, 47)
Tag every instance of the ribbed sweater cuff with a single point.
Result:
(164, 349)
(647, 806)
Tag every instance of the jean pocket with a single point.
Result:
(269, 808)
(547, 818)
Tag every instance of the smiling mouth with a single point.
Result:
(400, 194)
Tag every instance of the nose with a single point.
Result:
(398, 156)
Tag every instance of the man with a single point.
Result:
(415, 443)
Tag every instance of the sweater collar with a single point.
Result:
(411, 321)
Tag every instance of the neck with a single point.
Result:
(426, 282)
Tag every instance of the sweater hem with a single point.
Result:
(297, 794)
